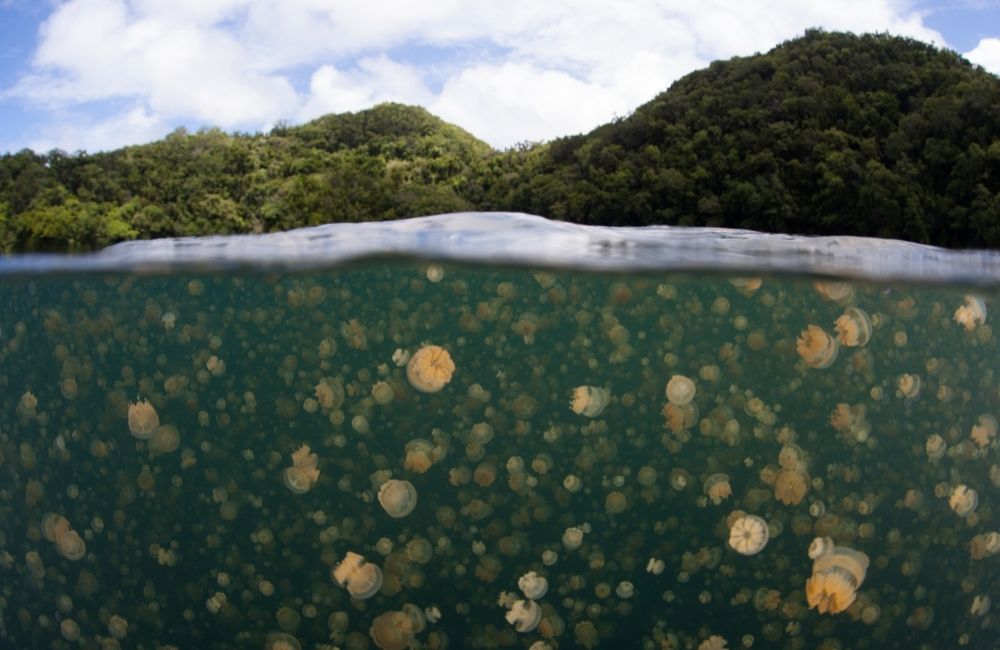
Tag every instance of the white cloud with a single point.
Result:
(987, 54)
(134, 125)
(522, 69)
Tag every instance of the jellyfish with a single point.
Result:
(361, 579)
(142, 419)
(935, 447)
(281, 641)
(680, 390)
(963, 500)
(398, 498)
(817, 348)
(909, 386)
(748, 535)
(392, 631)
(303, 474)
(572, 538)
(972, 313)
(837, 574)
(419, 455)
(615, 503)
(791, 486)
(71, 546)
(164, 440)
(841, 293)
(589, 400)
(524, 615)
(430, 369)
(533, 586)
(717, 488)
(854, 328)
(984, 431)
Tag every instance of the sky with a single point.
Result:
(96, 75)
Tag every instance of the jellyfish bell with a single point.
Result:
(854, 328)
(296, 480)
(572, 538)
(71, 546)
(717, 488)
(909, 386)
(837, 574)
(533, 586)
(935, 447)
(963, 500)
(54, 526)
(680, 390)
(281, 641)
(361, 579)
(419, 455)
(589, 401)
(817, 348)
(748, 535)
(971, 313)
(142, 419)
(398, 498)
(524, 615)
(984, 430)
(392, 631)
(430, 369)
(165, 439)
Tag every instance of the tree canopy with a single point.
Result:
(830, 133)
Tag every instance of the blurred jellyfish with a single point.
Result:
(935, 447)
(430, 369)
(717, 488)
(963, 500)
(909, 386)
(972, 313)
(142, 419)
(589, 400)
(533, 586)
(303, 474)
(680, 390)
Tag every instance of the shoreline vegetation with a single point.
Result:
(826, 134)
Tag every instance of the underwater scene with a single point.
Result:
(403, 453)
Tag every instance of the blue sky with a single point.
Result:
(101, 74)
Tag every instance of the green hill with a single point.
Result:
(826, 134)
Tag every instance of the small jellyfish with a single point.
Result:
(142, 419)
(166, 439)
(749, 535)
(984, 431)
(533, 586)
(791, 486)
(717, 488)
(817, 348)
(419, 455)
(909, 386)
(398, 498)
(980, 605)
(281, 641)
(392, 631)
(361, 579)
(303, 474)
(963, 500)
(524, 615)
(935, 447)
(854, 328)
(615, 503)
(589, 400)
(430, 369)
(572, 538)
(972, 313)
(837, 574)
(71, 546)
(680, 390)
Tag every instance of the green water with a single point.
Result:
(205, 547)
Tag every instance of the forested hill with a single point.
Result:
(826, 134)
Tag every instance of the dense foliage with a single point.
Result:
(826, 134)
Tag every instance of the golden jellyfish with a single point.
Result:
(361, 579)
(680, 390)
(963, 500)
(615, 503)
(303, 474)
(972, 313)
(841, 293)
(419, 550)
(430, 369)
(935, 447)
(419, 455)
(854, 328)
(817, 348)
(392, 631)
(533, 586)
(54, 526)
(71, 546)
(142, 419)
(748, 535)
(714, 642)
(678, 417)
(717, 488)
(909, 386)
(398, 498)
(589, 400)
(984, 430)
(524, 615)
(791, 486)
(837, 574)
(281, 641)
(166, 439)
(572, 538)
